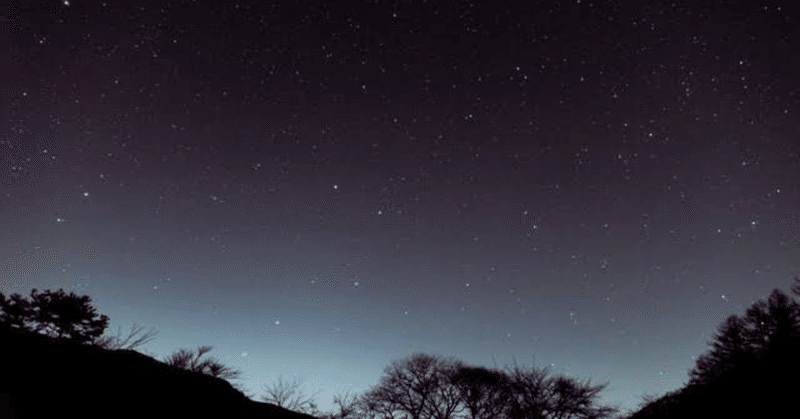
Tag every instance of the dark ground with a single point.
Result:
(43, 378)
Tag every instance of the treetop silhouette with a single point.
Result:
(750, 369)
(67, 317)
(766, 336)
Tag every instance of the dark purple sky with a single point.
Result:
(320, 188)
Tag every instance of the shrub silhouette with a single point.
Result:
(59, 315)
(290, 396)
(189, 361)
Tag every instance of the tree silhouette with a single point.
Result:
(347, 404)
(66, 317)
(767, 336)
(446, 400)
(750, 369)
(776, 324)
(347, 407)
(373, 405)
(731, 349)
(289, 396)
(413, 388)
(796, 286)
(484, 392)
(15, 313)
(535, 394)
(575, 399)
(528, 397)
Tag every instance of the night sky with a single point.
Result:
(320, 188)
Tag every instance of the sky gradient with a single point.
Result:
(320, 190)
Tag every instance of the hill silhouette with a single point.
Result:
(45, 377)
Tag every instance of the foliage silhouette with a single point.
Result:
(59, 315)
(776, 326)
(290, 396)
(15, 312)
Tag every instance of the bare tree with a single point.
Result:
(536, 395)
(446, 396)
(114, 342)
(290, 396)
(575, 399)
(374, 405)
(424, 386)
(528, 397)
(417, 387)
(347, 407)
(346, 403)
(484, 392)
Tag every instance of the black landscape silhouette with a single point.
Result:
(45, 378)
(53, 376)
(56, 364)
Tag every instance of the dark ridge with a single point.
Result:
(41, 377)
